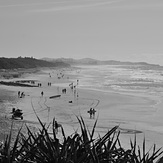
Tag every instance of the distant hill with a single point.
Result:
(90, 61)
(14, 63)
(72, 61)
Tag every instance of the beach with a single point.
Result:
(136, 112)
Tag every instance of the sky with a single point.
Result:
(124, 30)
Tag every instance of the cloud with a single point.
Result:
(93, 3)
(76, 6)
(32, 4)
(69, 5)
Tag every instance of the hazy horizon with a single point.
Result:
(122, 30)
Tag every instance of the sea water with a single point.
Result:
(141, 78)
(133, 116)
(144, 80)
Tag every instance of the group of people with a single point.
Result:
(49, 84)
(39, 84)
(21, 94)
(60, 75)
(64, 91)
(92, 112)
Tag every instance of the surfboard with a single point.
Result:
(55, 96)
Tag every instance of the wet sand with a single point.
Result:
(134, 113)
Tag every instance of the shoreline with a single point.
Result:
(113, 108)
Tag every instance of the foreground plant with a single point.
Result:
(40, 147)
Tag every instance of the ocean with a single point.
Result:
(129, 96)
(136, 78)
(142, 81)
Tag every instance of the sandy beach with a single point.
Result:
(134, 113)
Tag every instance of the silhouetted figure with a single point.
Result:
(42, 93)
(13, 110)
(39, 84)
(71, 86)
(18, 93)
(22, 95)
(64, 91)
(93, 113)
(49, 84)
(90, 112)
(56, 125)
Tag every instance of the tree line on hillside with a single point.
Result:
(90, 61)
(28, 62)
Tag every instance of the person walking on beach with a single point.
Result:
(56, 126)
(93, 113)
(22, 95)
(42, 93)
(90, 112)
(18, 93)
